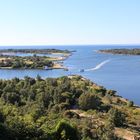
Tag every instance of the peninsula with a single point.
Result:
(135, 51)
(65, 108)
(35, 51)
(33, 58)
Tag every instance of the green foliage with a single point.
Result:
(38, 78)
(111, 92)
(1, 117)
(48, 109)
(105, 133)
(116, 117)
(89, 101)
(122, 51)
(11, 97)
(28, 62)
(65, 131)
(35, 61)
(130, 104)
(34, 51)
(20, 129)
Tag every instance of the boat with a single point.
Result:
(82, 70)
(47, 68)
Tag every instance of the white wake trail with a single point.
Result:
(98, 66)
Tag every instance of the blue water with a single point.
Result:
(118, 72)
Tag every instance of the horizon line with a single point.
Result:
(72, 45)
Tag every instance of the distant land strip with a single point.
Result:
(135, 51)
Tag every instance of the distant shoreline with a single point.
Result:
(135, 51)
(34, 61)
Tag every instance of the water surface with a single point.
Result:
(118, 72)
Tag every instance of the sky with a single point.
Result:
(69, 22)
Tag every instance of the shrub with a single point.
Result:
(116, 117)
(89, 101)
(65, 131)
(130, 104)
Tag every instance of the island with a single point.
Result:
(135, 51)
(65, 108)
(35, 51)
(33, 58)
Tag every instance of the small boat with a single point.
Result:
(47, 68)
(66, 69)
(81, 70)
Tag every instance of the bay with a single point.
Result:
(117, 72)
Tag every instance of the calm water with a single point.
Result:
(118, 72)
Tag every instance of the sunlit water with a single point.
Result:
(118, 72)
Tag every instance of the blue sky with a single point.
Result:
(60, 22)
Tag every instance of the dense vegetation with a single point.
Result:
(28, 62)
(35, 60)
(65, 108)
(122, 51)
(34, 51)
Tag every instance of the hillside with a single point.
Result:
(65, 108)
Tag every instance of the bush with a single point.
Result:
(111, 92)
(89, 101)
(105, 133)
(116, 117)
(130, 104)
(64, 106)
(1, 117)
(65, 131)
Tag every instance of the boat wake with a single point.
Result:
(99, 65)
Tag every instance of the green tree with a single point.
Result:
(116, 117)
(38, 78)
(130, 104)
(89, 101)
(65, 131)
(11, 97)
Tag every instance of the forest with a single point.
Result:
(64, 108)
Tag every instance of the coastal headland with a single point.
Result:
(33, 58)
(124, 51)
(70, 107)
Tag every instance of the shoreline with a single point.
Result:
(55, 60)
(108, 104)
(120, 52)
(55, 66)
(98, 86)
